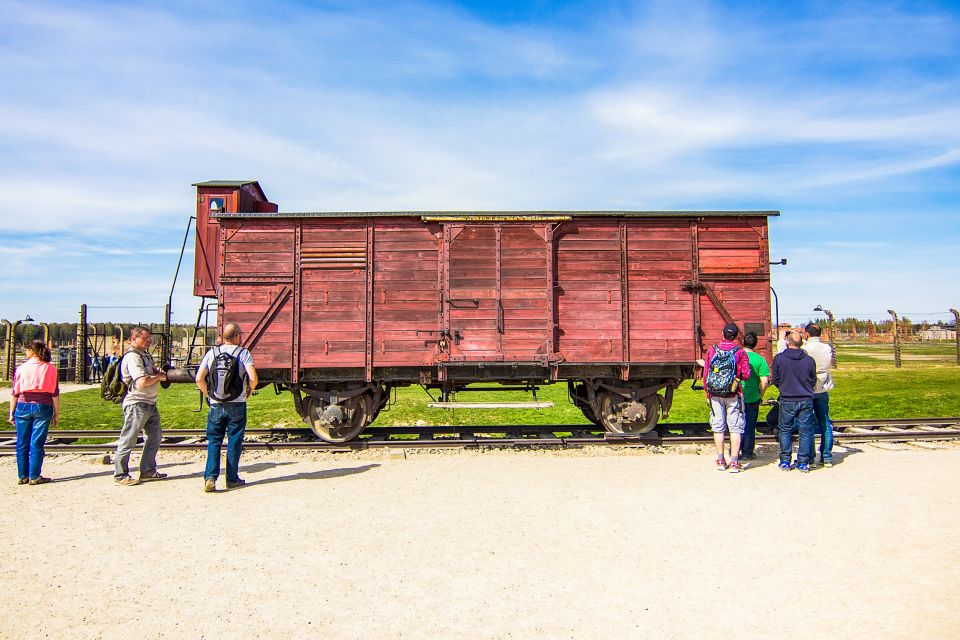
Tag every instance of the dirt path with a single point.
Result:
(65, 387)
(488, 545)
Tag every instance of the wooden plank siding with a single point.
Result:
(588, 292)
(333, 294)
(257, 261)
(731, 247)
(512, 291)
(406, 301)
(659, 262)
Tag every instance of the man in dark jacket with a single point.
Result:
(795, 375)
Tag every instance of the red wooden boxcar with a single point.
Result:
(339, 307)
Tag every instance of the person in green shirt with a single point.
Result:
(753, 390)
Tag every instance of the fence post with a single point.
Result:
(956, 331)
(9, 349)
(80, 376)
(896, 338)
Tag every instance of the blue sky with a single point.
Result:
(844, 116)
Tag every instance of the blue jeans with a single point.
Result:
(821, 409)
(751, 412)
(796, 414)
(230, 419)
(33, 422)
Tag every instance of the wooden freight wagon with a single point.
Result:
(340, 307)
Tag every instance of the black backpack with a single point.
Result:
(225, 374)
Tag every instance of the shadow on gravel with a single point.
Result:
(261, 466)
(108, 472)
(312, 475)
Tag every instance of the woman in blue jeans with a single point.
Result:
(35, 406)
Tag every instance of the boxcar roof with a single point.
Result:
(224, 183)
(502, 214)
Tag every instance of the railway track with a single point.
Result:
(433, 437)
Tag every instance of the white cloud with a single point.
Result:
(422, 106)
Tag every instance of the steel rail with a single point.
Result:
(434, 437)
(840, 427)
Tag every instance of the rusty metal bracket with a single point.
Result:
(267, 317)
(699, 286)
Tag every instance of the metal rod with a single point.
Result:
(776, 311)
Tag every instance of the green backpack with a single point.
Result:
(112, 386)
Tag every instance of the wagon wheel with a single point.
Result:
(589, 414)
(652, 404)
(611, 417)
(348, 427)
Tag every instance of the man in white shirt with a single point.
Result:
(822, 354)
(234, 378)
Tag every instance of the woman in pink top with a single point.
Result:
(36, 396)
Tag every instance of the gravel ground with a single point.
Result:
(591, 544)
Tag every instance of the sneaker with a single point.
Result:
(23, 481)
(721, 464)
(236, 484)
(153, 475)
(735, 466)
(209, 485)
(803, 468)
(40, 480)
(784, 466)
(748, 456)
(827, 464)
(126, 481)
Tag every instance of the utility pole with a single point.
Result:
(896, 338)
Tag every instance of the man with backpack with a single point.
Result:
(140, 377)
(726, 367)
(794, 373)
(226, 377)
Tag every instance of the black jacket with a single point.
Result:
(795, 374)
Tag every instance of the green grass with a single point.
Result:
(865, 388)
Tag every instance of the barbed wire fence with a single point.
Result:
(82, 350)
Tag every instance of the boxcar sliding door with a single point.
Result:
(497, 291)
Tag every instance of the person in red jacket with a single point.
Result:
(35, 406)
(725, 367)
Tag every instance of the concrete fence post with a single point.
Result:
(896, 338)
(80, 373)
(956, 331)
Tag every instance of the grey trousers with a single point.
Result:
(137, 417)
